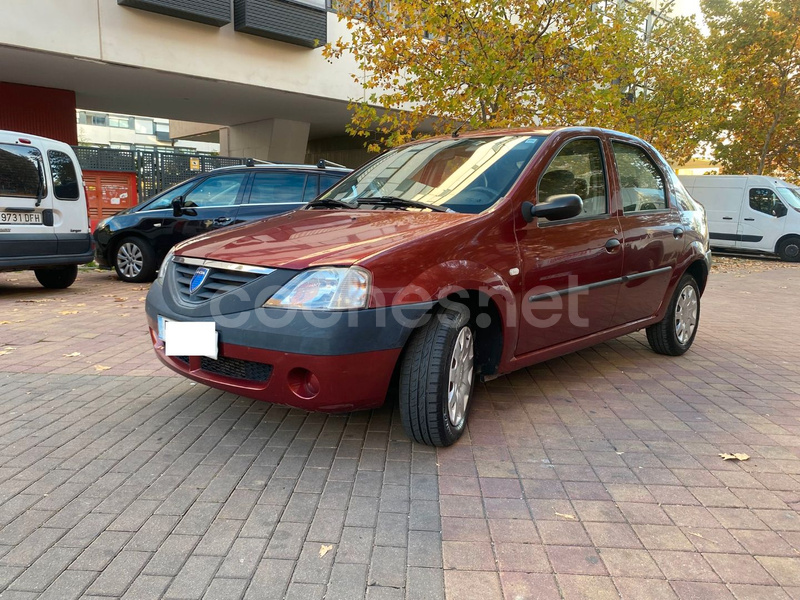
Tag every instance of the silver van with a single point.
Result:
(44, 223)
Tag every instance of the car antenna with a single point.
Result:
(459, 128)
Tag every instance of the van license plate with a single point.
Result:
(8, 217)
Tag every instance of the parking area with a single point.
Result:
(596, 475)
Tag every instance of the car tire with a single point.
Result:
(437, 375)
(134, 260)
(789, 249)
(57, 278)
(674, 334)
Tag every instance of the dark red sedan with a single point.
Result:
(441, 261)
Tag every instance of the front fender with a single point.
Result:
(457, 278)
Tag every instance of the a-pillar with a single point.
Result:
(278, 140)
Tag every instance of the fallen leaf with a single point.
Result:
(119, 299)
(572, 517)
(737, 456)
(101, 368)
(5, 322)
(68, 312)
(72, 355)
(4, 352)
(323, 549)
(81, 304)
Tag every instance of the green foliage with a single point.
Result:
(430, 65)
(758, 74)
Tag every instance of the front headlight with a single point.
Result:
(162, 270)
(325, 288)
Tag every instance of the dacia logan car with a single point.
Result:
(440, 262)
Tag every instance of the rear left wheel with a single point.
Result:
(437, 374)
(674, 334)
(57, 278)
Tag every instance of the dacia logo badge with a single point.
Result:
(198, 279)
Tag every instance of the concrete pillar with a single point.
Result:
(278, 140)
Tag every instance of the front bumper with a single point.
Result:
(307, 359)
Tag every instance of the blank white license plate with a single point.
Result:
(8, 217)
(188, 338)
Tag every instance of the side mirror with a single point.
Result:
(780, 210)
(555, 208)
(177, 206)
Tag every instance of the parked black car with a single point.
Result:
(136, 240)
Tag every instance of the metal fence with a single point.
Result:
(155, 171)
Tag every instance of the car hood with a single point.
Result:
(309, 238)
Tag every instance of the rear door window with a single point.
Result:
(275, 187)
(21, 172)
(641, 182)
(65, 180)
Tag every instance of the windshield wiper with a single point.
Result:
(334, 202)
(395, 201)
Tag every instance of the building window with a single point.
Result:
(144, 126)
(98, 119)
(119, 122)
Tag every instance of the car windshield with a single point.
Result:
(466, 175)
(791, 196)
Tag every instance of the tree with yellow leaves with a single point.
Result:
(434, 65)
(758, 43)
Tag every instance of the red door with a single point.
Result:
(572, 268)
(652, 232)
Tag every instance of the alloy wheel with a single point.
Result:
(130, 259)
(686, 314)
(459, 386)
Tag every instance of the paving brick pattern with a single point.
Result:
(592, 476)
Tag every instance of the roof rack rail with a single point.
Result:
(251, 162)
(323, 164)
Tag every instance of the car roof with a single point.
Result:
(543, 131)
(14, 137)
(274, 166)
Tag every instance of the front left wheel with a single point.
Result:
(437, 375)
(135, 260)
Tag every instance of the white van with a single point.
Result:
(750, 212)
(44, 223)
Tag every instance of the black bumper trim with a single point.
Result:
(46, 261)
(318, 333)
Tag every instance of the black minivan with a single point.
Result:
(136, 240)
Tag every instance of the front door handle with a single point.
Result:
(678, 233)
(222, 220)
(613, 244)
(749, 219)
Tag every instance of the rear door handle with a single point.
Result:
(727, 218)
(222, 220)
(613, 244)
(749, 219)
(678, 233)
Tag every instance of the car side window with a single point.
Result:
(578, 169)
(218, 190)
(275, 187)
(65, 180)
(326, 182)
(641, 182)
(312, 188)
(764, 200)
(165, 200)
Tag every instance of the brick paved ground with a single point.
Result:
(591, 476)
